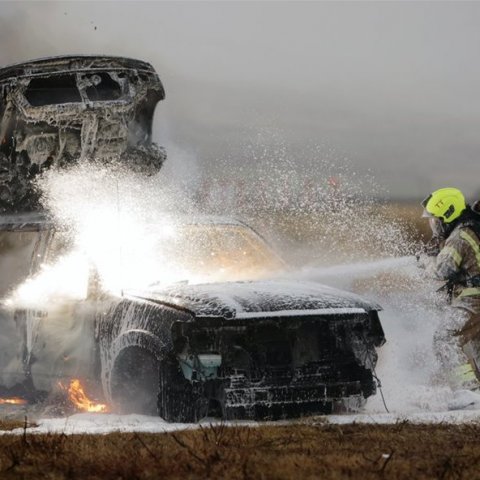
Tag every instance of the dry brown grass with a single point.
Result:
(280, 452)
(7, 425)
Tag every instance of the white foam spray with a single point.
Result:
(412, 311)
(105, 213)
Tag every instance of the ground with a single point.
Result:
(303, 450)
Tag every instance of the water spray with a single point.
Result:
(357, 269)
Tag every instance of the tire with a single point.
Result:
(134, 382)
(177, 400)
(140, 383)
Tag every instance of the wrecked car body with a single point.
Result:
(59, 110)
(232, 344)
(253, 350)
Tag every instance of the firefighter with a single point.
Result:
(455, 245)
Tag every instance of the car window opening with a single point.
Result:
(53, 90)
(102, 88)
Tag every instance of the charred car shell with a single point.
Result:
(58, 110)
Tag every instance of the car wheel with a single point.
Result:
(134, 381)
(177, 400)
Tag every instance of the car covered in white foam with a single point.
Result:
(225, 331)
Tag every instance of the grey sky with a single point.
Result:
(391, 85)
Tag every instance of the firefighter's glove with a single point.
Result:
(432, 248)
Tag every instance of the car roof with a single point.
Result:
(58, 64)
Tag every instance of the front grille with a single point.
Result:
(277, 362)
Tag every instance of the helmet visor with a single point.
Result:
(425, 213)
(436, 225)
(426, 200)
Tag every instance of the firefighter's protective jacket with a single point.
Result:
(459, 264)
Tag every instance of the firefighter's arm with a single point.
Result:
(447, 264)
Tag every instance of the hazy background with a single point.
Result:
(391, 86)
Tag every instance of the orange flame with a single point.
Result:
(78, 397)
(13, 401)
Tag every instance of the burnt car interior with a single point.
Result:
(52, 91)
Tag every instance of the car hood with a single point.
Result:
(259, 299)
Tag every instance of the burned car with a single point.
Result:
(60, 110)
(225, 332)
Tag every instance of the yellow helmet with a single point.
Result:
(446, 204)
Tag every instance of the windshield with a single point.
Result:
(153, 255)
(210, 253)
